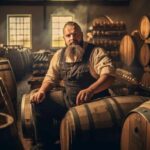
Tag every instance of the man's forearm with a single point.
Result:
(101, 84)
(46, 86)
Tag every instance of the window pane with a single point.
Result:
(55, 19)
(19, 30)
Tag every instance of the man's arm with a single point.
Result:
(101, 84)
(39, 96)
(51, 78)
(102, 69)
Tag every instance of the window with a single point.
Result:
(19, 30)
(58, 23)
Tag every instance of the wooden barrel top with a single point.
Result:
(127, 50)
(144, 55)
(145, 27)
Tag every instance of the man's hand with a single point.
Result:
(38, 97)
(84, 96)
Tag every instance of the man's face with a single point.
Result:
(72, 35)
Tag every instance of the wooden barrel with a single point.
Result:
(6, 104)
(9, 138)
(15, 56)
(6, 73)
(136, 129)
(144, 55)
(28, 127)
(26, 117)
(26, 55)
(145, 27)
(97, 121)
(127, 50)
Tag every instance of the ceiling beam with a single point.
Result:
(62, 2)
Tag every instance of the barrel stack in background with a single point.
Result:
(41, 61)
(107, 34)
(144, 29)
(20, 59)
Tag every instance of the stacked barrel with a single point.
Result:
(20, 59)
(8, 119)
(41, 61)
(144, 29)
(135, 52)
(107, 34)
(14, 63)
(136, 127)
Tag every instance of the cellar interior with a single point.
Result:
(31, 33)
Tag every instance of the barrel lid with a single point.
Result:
(127, 50)
(145, 27)
(144, 55)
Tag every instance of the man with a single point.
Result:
(85, 70)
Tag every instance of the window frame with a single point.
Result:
(19, 15)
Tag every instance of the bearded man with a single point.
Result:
(86, 71)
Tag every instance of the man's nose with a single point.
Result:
(72, 37)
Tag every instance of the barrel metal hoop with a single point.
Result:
(111, 112)
(91, 121)
(5, 69)
(122, 114)
(76, 121)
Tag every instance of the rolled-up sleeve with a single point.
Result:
(53, 73)
(100, 63)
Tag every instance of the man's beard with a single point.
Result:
(74, 50)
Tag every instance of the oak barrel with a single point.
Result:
(97, 121)
(145, 80)
(144, 55)
(136, 129)
(127, 50)
(14, 55)
(6, 104)
(27, 110)
(145, 27)
(6, 73)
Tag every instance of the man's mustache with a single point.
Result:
(75, 42)
(74, 50)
